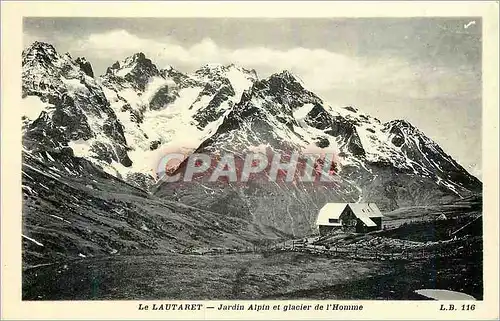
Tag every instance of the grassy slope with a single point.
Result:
(249, 276)
(399, 279)
(175, 276)
(93, 213)
(454, 209)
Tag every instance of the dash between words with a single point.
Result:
(197, 307)
(251, 307)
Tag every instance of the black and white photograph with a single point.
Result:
(252, 159)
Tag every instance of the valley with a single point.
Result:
(248, 276)
(135, 246)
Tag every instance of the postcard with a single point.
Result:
(250, 160)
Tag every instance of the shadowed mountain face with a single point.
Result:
(123, 122)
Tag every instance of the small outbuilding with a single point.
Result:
(349, 217)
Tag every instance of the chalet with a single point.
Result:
(349, 217)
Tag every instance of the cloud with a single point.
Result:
(320, 69)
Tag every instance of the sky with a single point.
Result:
(424, 70)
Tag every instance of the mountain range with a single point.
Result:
(120, 124)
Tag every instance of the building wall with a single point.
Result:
(349, 220)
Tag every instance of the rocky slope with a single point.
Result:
(72, 209)
(64, 106)
(166, 110)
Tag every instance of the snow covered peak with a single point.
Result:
(351, 109)
(284, 88)
(286, 78)
(65, 107)
(274, 112)
(136, 69)
(39, 52)
(137, 58)
(215, 70)
(212, 67)
(210, 72)
(234, 79)
(130, 64)
(85, 66)
(402, 129)
(169, 68)
(401, 123)
(43, 68)
(41, 48)
(250, 73)
(286, 75)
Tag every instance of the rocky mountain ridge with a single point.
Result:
(125, 120)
